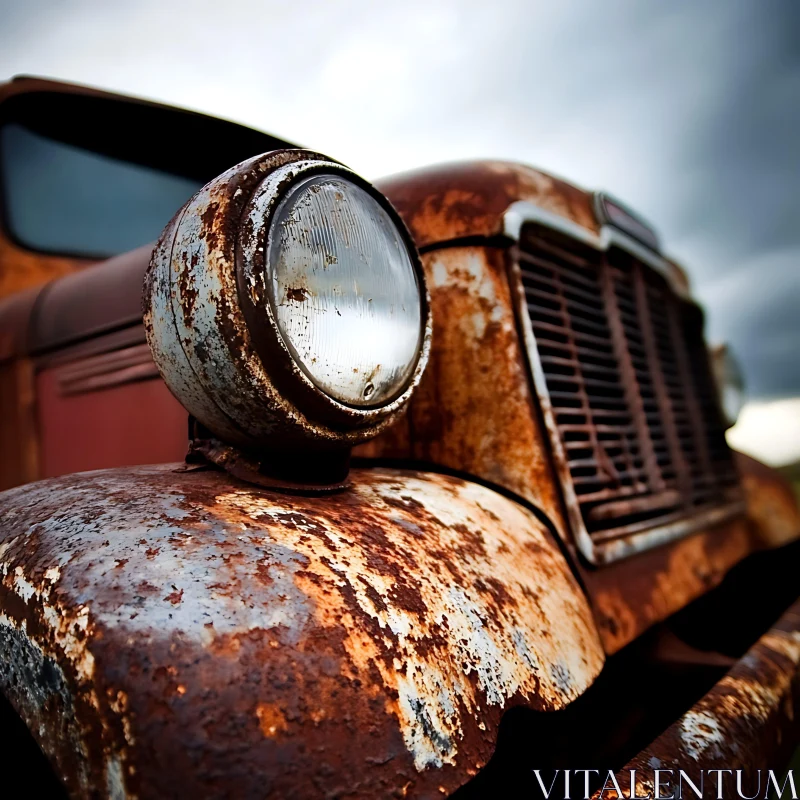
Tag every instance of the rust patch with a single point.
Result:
(270, 720)
(175, 596)
(296, 293)
(771, 505)
(631, 595)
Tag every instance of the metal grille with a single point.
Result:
(629, 385)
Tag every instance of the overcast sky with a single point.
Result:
(688, 111)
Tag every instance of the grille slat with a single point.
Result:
(630, 386)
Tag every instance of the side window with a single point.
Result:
(95, 175)
(60, 198)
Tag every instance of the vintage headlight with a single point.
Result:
(286, 303)
(730, 382)
(344, 291)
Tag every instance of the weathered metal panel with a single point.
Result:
(108, 422)
(176, 632)
(631, 595)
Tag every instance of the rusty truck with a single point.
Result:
(316, 487)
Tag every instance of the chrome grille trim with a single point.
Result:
(602, 546)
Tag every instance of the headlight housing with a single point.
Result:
(286, 302)
(730, 382)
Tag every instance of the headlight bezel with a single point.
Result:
(211, 327)
(253, 272)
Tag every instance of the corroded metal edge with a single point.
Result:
(183, 632)
(745, 722)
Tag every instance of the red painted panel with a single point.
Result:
(127, 424)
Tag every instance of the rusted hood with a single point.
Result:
(468, 199)
(174, 633)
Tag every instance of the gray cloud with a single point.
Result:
(687, 111)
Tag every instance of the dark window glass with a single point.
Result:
(61, 198)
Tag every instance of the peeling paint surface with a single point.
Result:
(701, 733)
(220, 639)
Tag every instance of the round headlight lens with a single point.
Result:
(343, 291)
(730, 382)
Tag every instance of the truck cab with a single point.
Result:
(317, 487)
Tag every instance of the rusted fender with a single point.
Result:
(749, 721)
(169, 633)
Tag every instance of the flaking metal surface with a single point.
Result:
(180, 632)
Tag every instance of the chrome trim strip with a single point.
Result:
(629, 544)
(596, 553)
(522, 212)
